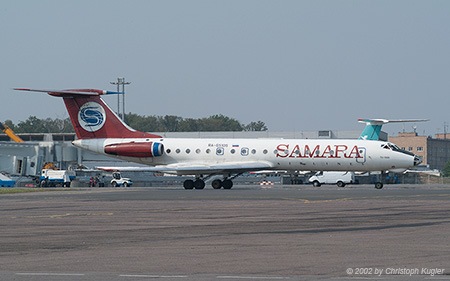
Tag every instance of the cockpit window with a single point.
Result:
(390, 146)
(394, 147)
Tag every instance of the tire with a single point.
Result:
(114, 184)
(379, 185)
(125, 184)
(216, 184)
(43, 183)
(188, 184)
(316, 184)
(340, 184)
(227, 184)
(199, 184)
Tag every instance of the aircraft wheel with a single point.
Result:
(227, 184)
(379, 185)
(316, 184)
(340, 184)
(199, 184)
(216, 184)
(188, 184)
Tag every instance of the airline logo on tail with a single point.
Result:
(91, 116)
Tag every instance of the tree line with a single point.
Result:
(167, 123)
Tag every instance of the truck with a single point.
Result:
(52, 178)
(338, 178)
(118, 180)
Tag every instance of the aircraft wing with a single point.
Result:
(199, 168)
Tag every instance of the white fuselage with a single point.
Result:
(279, 154)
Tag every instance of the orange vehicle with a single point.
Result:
(10, 133)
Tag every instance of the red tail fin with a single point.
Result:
(91, 116)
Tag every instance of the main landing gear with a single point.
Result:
(226, 184)
(197, 184)
(200, 184)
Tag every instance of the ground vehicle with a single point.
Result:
(6, 181)
(50, 177)
(119, 181)
(339, 178)
(10, 133)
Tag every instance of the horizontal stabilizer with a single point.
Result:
(72, 92)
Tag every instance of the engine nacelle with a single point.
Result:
(135, 149)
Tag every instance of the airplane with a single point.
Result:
(373, 127)
(100, 130)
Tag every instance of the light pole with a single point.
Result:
(121, 81)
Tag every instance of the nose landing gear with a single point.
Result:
(379, 183)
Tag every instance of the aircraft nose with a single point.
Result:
(417, 160)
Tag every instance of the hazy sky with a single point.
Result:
(296, 65)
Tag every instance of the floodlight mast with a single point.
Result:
(121, 81)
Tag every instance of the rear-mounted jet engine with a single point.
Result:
(135, 149)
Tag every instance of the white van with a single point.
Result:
(339, 178)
